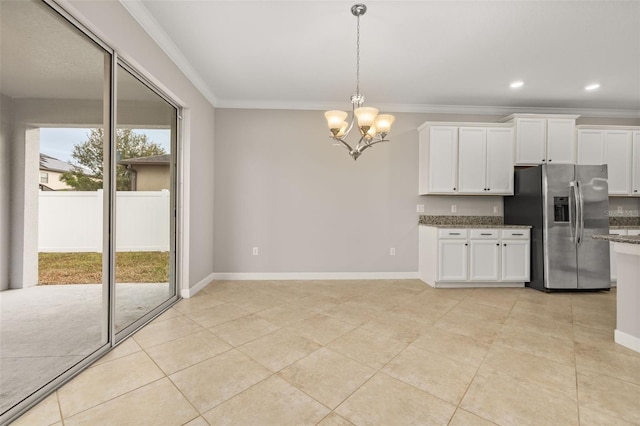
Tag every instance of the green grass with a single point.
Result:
(86, 268)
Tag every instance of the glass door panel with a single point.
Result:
(144, 223)
(53, 297)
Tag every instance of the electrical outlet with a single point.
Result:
(454, 208)
(420, 208)
(620, 209)
(255, 251)
(495, 209)
(392, 251)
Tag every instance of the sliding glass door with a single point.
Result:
(145, 200)
(88, 154)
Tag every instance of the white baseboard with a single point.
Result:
(476, 284)
(627, 340)
(314, 275)
(190, 292)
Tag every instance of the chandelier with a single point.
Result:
(373, 127)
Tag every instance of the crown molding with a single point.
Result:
(140, 13)
(431, 109)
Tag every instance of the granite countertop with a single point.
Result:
(467, 222)
(471, 226)
(629, 239)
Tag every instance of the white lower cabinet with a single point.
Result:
(515, 260)
(474, 257)
(452, 262)
(612, 254)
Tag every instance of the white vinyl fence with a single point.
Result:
(71, 221)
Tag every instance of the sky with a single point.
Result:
(59, 142)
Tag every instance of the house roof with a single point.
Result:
(54, 165)
(152, 159)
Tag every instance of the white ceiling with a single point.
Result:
(415, 55)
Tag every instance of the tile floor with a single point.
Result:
(393, 352)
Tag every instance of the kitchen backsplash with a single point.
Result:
(624, 220)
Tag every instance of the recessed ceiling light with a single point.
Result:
(592, 86)
(516, 84)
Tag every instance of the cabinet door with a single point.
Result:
(472, 160)
(635, 185)
(619, 161)
(500, 161)
(452, 260)
(612, 254)
(443, 159)
(591, 147)
(515, 260)
(530, 141)
(561, 141)
(484, 260)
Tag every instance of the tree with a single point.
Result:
(87, 173)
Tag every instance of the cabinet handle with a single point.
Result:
(485, 233)
(454, 233)
(504, 245)
(498, 245)
(543, 160)
(466, 244)
(517, 234)
(550, 160)
(454, 189)
(635, 190)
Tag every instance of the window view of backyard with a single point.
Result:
(74, 268)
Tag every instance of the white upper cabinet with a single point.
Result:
(472, 170)
(591, 147)
(619, 149)
(438, 167)
(635, 165)
(494, 175)
(561, 143)
(544, 139)
(500, 160)
(466, 160)
(619, 161)
(530, 141)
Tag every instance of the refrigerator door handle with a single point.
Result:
(573, 206)
(580, 213)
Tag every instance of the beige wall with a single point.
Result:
(5, 188)
(152, 177)
(280, 186)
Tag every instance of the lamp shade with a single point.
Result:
(366, 116)
(343, 129)
(335, 119)
(384, 122)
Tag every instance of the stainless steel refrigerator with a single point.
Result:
(565, 204)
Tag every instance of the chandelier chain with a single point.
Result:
(358, 57)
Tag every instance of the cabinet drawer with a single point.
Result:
(458, 234)
(515, 234)
(484, 234)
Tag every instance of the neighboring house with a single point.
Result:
(50, 171)
(149, 173)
